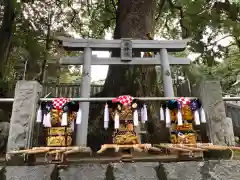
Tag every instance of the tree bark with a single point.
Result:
(42, 76)
(6, 31)
(134, 19)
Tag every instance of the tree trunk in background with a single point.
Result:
(135, 18)
(6, 33)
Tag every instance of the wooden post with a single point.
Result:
(82, 129)
(220, 130)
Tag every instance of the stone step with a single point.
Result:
(207, 170)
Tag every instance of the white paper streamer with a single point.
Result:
(106, 113)
(179, 118)
(105, 124)
(142, 118)
(106, 116)
(79, 116)
(135, 118)
(196, 117)
(203, 116)
(64, 119)
(44, 119)
(161, 114)
(47, 120)
(39, 115)
(116, 121)
(145, 114)
(168, 118)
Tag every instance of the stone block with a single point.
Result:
(182, 171)
(220, 129)
(135, 171)
(43, 172)
(192, 170)
(84, 172)
(4, 131)
(2, 172)
(228, 129)
(205, 170)
(22, 122)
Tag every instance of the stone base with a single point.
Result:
(204, 170)
(43, 172)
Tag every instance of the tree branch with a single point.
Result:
(166, 25)
(185, 32)
(237, 39)
(114, 6)
(160, 8)
(74, 14)
(232, 10)
(215, 42)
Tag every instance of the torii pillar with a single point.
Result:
(82, 129)
(166, 74)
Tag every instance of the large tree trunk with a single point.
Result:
(135, 18)
(6, 33)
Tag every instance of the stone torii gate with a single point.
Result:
(162, 58)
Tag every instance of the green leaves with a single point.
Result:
(202, 21)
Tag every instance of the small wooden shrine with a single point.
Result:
(125, 111)
(59, 117)
(184, 115)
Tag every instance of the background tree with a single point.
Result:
(6, 31)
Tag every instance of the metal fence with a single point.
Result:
(57, 90)
(68, 90)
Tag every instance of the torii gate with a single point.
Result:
(126, 45)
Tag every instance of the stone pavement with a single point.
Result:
(205, 170)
